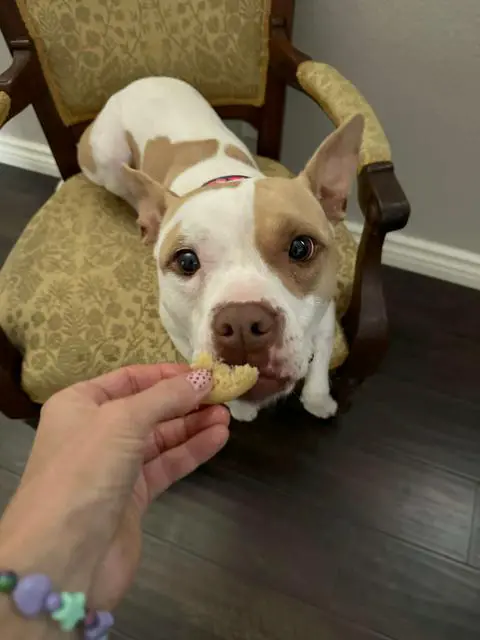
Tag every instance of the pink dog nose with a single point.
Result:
(244, 329)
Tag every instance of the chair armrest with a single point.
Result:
(365, 323)
(381, 197)
(340, 100)
(336, 95)
(19, 84)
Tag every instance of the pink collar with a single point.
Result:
(224, 179)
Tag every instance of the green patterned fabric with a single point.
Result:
(78, 293)
(79, 296)
(4, 106)
(89, 49)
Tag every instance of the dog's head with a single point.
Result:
(247, 269)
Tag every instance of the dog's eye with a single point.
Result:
(187, 262)
(302, 249)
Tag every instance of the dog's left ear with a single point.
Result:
(151, 200)
(330, 172)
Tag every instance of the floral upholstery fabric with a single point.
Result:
(340, 99)
(4, 106)
(78, 293)
(89, 49)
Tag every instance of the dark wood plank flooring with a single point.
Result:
(360, 530)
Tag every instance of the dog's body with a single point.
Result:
(246, 263)
(153, 117)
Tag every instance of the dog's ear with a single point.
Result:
(151, 201)
(330, 172)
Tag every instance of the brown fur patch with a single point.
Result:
(164, 160)
(84, 151)
(237, 154)
(134, 150)
(284, 209)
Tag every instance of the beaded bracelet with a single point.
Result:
(33, 594)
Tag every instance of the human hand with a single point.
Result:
(104, 450)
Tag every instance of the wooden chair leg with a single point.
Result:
(385, 209)
(14, 402)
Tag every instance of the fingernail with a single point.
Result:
(200, 379)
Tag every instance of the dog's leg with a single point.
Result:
(242, 411)
(316, 396)
(103, 150)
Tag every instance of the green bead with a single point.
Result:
(8, 581)
(71, 612)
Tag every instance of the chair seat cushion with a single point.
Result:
(78, 293)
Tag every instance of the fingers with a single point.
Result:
(171, 434)
(176, 463)
(127, 381)
(169, 399)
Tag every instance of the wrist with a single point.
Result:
(32, 610)
(15, 627)
(54, 561)
(48, 545)
(61, 558)
(47, 539)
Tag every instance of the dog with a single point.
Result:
(246, 263)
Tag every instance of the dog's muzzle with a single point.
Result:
(246, 333)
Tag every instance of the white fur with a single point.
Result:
(219, 225)
(316, 396)
(152, 108)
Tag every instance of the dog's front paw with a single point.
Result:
(242, 411)
(319, 405)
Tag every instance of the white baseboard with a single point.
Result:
(405, 252)
(428, 258)
(32, 156)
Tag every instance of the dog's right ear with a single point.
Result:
(331, 171)
(151, 201)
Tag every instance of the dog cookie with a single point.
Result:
(229, 383)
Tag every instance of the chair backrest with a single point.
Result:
(89, 49)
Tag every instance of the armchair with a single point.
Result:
(78, 291)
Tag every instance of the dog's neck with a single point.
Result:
(185, 167)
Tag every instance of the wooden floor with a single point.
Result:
(362, 530)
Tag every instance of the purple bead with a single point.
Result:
(31, 593)
(53, 602)
(103, 623)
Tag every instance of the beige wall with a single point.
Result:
(418, 62)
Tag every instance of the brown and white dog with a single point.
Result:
(246, 263)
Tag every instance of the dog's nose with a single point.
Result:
(243, 329)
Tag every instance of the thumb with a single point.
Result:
(170, 398)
